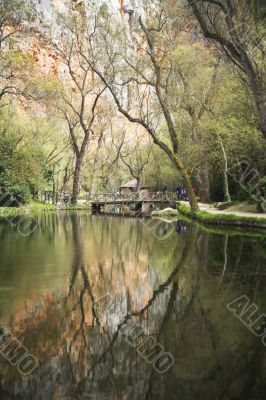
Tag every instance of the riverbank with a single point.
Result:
(37, 207)
(209, 215)
(26, 209)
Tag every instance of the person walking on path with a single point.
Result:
(178, 192)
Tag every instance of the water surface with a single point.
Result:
(71, 289)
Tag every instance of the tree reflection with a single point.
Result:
(177, 291)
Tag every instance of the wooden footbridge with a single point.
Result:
(133, 200)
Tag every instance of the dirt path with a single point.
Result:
(212, 210)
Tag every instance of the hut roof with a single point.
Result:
(130, 184)
(133, 184)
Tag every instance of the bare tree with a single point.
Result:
(146, 74)
(12, 13)
(196, 105)
(80, 99)
(135, 156)
(237, 26)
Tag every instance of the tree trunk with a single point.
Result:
(192, 197)
(80, 155)
(138, 183)
(258, 196)
(204, 190)
(260, 104)
(65, 179)
(203, 175)
(258, 93)
(227, 196)
(76, 180)
(54, 189)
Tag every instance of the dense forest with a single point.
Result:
(168, 93)
(132, 199)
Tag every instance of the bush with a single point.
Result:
(21, 173)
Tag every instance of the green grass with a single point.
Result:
(32, 208)
(223, 219)
(11, 211)
(227, 230)
(38, 207)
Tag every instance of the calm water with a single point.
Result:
(72, 289)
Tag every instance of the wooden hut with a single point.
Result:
(128, 188)
(145, 191)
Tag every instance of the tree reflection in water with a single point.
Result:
(177, 290)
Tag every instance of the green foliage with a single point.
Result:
(22, 161)
(214, 107)
(20, 170)
(160, 171)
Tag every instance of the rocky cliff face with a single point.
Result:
(45, 15)
(43, 28)
(46, 11)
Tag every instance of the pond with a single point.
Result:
(126, 308)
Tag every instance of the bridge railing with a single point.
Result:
(166, 197)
